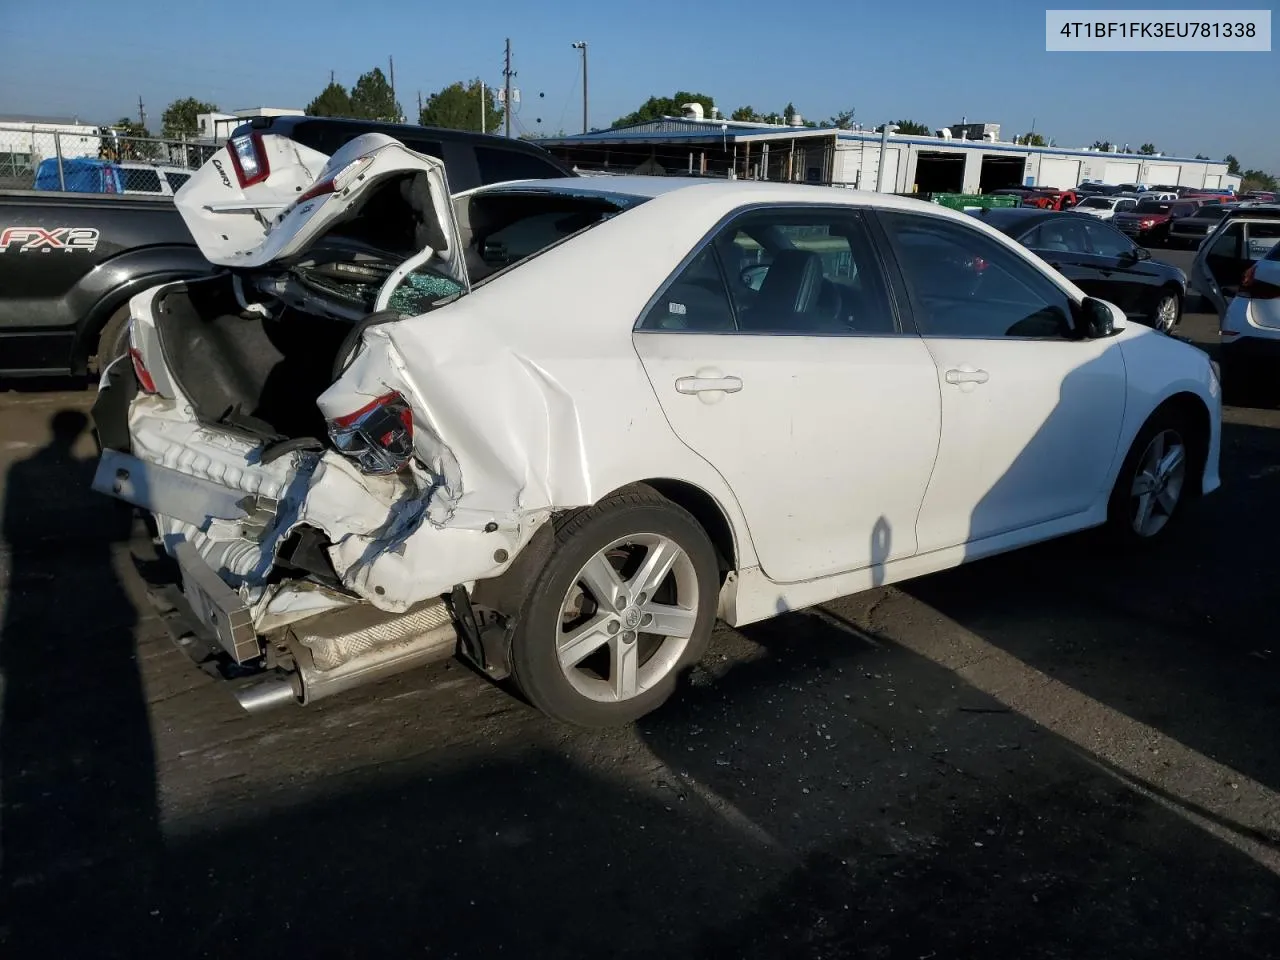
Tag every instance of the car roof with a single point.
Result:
(284, 124)
(1009, 219)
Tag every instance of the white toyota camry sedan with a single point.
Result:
(558, 428)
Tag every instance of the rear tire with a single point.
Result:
(112, 341)
(586, 659)
(1155, 480)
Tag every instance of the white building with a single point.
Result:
(25, 140)
(946, 163)
(218, 126)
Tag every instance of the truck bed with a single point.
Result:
(69, 261)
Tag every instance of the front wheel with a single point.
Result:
(626, 603)
(1168, 311)
(1153, 482)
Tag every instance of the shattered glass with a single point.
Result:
(416, 294)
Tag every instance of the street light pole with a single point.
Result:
(884, 145)
(582, 45)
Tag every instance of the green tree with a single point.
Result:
(333, 101)
(1031, 140)
(1103, 145)
(1201, 156)
(746, 114)
(179, 118)
(458, 107)
(1256, 180)
(788, 113)
(842, 120)
(373, 99)
(1233, 165)
(657, 107)
(909, 128)
(1147, 149)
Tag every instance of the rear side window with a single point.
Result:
(499, 166)
(144, 180)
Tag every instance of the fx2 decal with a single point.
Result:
(68, 239)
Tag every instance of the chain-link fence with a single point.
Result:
(96, 160)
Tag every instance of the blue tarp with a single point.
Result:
(81, 174)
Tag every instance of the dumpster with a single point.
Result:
(974, 201)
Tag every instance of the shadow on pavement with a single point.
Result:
(77, 774)
(1179, 637)
(930, 820)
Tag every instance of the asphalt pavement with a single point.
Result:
(1062, 752)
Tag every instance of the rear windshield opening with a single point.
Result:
(504, 228)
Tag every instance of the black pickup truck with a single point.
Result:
(70, 262)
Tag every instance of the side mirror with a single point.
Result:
(1141, 253)
(1097, 321)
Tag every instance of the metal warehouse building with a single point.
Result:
(945, 163)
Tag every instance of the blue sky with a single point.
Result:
(931, 61)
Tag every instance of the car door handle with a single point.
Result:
(691, 385)
(967, 376)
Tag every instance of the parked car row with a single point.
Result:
(1100, 260)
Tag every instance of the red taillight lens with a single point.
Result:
(319, 190)
(378, 436)
(145, 380)
(249, 158)
(1254, 289)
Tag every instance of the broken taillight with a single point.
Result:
(145, 380)
(378, 436)
(249, 158)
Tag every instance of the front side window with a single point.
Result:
(965, 284)
(1105, 241)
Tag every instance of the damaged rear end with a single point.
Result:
(265, 420)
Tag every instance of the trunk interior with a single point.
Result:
(248, 372)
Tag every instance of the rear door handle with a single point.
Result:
(691, 385)
(967, 376)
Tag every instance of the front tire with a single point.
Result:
(1154, 481)
(624, 606)
(1168, 311)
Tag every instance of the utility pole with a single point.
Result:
(331, 78)
(419, 106)
(391, 64)
(142, 114)
(582, 45)
(506, 77)
(484, 108)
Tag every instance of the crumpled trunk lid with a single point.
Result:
(305, 195)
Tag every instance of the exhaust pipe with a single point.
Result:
(268, 694)
(352, 647)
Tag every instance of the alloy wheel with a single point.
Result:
(627, 618)
(1158, 483)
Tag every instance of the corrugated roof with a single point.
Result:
(677, 130)
(12, 118)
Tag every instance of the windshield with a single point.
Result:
(1153, 206)
(1097, 203)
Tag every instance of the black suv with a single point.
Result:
(471, 159)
